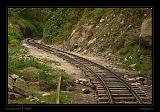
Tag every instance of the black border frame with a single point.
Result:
(59, 107)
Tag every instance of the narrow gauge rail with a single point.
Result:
(110, 88)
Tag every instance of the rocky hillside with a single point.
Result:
(122, 36)
(124, 32)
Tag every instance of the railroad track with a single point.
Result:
(110, 88)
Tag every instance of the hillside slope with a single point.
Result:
(122, 36)
(126, 33)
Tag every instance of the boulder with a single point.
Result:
(131, 79)
(141, 80)
(146, 31)
(86, 91)
(83, 81)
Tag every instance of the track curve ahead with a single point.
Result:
(110, 88)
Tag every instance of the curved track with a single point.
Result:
(110, 88)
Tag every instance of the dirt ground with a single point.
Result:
(77, 96)
(80, 98)
(70, 69)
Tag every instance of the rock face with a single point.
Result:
(80, 33)
(146, 31)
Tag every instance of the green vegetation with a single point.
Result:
(121, 29)
(51, 99)
(60, 24)
(118, 32)
(132, 55)
(46, 76)
(14, 37)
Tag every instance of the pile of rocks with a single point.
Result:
(13, 91)
(140, 80)
(83, 82)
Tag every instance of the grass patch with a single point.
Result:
(45, 75)
(49, 62)
(51, 99)
(132, 55)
